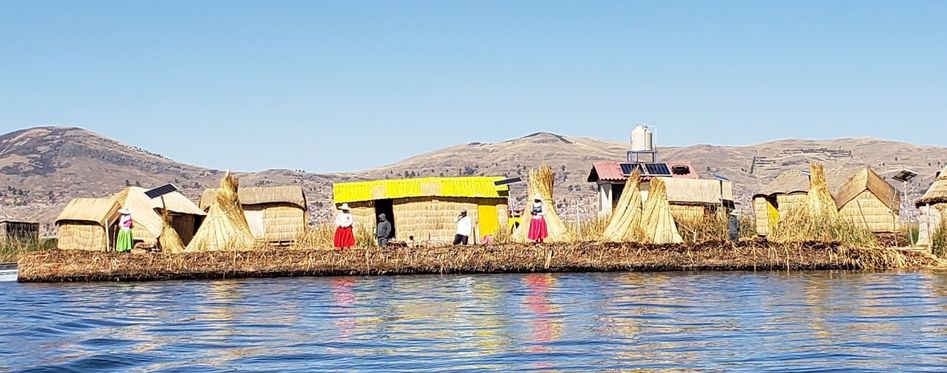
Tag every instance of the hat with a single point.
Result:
(537, 197)
(345, 206)
(124, 211)
(463, 211)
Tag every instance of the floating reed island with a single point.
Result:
(61, 265)
(813, 232)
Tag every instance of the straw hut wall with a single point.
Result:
(363, 213)
(225, 227)
(431, 219)
(867, 200)
(427, 207)
(87, 224)
(694, 199)
(274, 214)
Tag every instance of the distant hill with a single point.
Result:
(42, 168)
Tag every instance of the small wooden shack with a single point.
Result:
(425, 208)
(275, 214)
(146, 214)
(18, 231)
(869, 201)
(88, 224)
(689, 197)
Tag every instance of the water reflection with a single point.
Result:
(568, 322)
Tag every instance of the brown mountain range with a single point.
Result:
(42, 168)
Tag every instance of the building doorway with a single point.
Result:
(386, 206)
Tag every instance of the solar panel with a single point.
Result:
(628, 168)
(161, 190)
(657, 169)
(507, 181)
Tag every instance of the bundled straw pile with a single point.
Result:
(819, 201)
(625, 223)
(541, 182)
(169, 240)
(225, 227)
(657, 222)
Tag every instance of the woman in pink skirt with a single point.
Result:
(537, 225)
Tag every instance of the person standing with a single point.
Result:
(733, 227)
(383, 230)
(123, 243)
(464, 228)
(344, 238)
(537, 224)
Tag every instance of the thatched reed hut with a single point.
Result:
(88, 224)
(867, 200)
(18, 231)
(275, 214)
(147, 213)
(787, 192)
(425, 208)
(932, 208)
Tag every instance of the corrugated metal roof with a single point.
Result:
(606, 171)
(473, 187)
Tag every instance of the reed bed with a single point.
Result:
(62, 265)
(799, 225)
(11, 251)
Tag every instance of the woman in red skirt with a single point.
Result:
(344, 238)
(537, 225)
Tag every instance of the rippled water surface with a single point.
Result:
(559, 322)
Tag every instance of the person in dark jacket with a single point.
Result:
(733, 227)
(383, 230)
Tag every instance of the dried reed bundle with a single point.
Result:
(819, 201)
(68, 265)
(225, 227)
(625, 223)
(657, 223)
(169, 240)
(541, 182)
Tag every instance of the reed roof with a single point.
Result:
(470, 187)
(937, 193)
(288, 194)
(94, 210)
(795, 181)
(868, 179)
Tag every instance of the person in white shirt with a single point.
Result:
(344, 237)
(464, 228)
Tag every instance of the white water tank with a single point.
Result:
(641, 139)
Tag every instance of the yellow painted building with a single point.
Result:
(426, 208)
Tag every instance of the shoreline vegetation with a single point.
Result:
(60, 266)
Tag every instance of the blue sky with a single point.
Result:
(347, 85)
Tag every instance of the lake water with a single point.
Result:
(520, 322)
